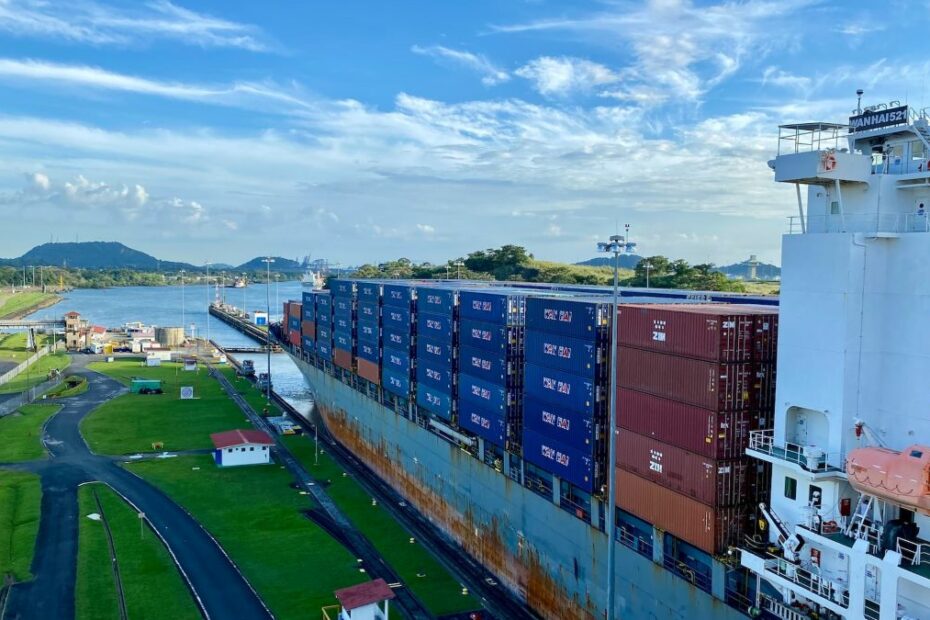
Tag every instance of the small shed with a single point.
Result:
(190, 363)
(153, 360)
(260, 318)
(139, 384)
(241, 447)
(363, 601)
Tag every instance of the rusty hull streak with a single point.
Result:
(525, 573)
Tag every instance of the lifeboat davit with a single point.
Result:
(902, 478)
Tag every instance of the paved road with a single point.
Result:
(221, 590)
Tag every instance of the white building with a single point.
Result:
(241, 447)
(363, 601)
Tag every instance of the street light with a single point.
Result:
(183, 318)
(268, 260)
(615, 246)
(458, 271)
(647, 266)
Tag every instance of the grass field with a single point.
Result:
(20, 502)
(21, 433)
(252, 395)
(762, 288)
(13, 346)
(255, 515)
(437, 588)
(36, 374)
(152, 586)
(70, 386)
(17, 303)
(133, 422)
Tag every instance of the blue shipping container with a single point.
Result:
(369, 311)
(324, 303)
(343, 341)
(342, 324)
(569, 428)
(293, 323)
(309, 307)
(574, 355)
(324, 348)
(399, 339)
(559, 388)
(575, 318)
(397, 361)
(488, 425)
(369, 351)
(436, 375)
(368, 331)
(395, 382)
(435, 351)
(434, 400)
(324, 332)
(487, 395)
(500, 308)
(399, 318)
(399, 295)
(489, 336)
(436, 300)
(307, 343)
(343, 306)
(435, 326)
(483, 364)
(566, 463)
(342, 288)
(369, 292)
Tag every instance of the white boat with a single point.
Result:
(312, 280)
(850, 476)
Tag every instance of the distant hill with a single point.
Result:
(280, 264)
(627, 261)
(93, 255)
(764, 271)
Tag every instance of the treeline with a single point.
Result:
(62, 277)
(514, 263)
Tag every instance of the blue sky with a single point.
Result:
(363, 131)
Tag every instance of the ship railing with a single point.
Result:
(640, 545)
(914, 552)
(872, 610)
(780, 610)
(807, 457)
(913, 222)
(810, 137)
(807, 581)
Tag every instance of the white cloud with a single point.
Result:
(565, 75)
(784, 79)
(426, 229)
(490, 73)
(97, 24)
(39, 181)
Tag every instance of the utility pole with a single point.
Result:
(183, 318)
(268, 260)
(208, 300)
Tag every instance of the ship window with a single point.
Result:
(835, 208)
(917, 454)
(815, 496)
(791, 488)
(917, 150)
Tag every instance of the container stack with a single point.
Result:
(398, 337)
(308, 323)
(566, 388)
(344, 323)
(436, 350)
(368, 331)
(293, 323)
(693, 381)
(490, 365)
(324, 325)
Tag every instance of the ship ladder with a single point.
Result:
(858, 527)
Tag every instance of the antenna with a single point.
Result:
(859, 94)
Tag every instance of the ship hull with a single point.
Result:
(548, 557)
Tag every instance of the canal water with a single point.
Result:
(170, 306)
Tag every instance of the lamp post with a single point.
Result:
(615, 245)
(208, 302)
(647, 266)
(458, 270)
(268, 260)
(183, 318)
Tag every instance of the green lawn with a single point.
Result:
(22, 433)
(151, 583)
(437, 589)
(133, 422)
(252, 395)
(20, 502)
(11, 305)
(255, 515)
(13, 346)
(70, 386)
(36, 374)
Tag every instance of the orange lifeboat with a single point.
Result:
(902, 478)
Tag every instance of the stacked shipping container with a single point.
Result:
(344, 321)
(398, 337)
(368, 331)
(324, 324)
(566, 385)
(308, 322)
(437, 313)
(294, 312)
(693, 380)
(490, 365)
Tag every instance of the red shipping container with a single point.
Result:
(368, 370)
(765, 385)
(714, 434)
(714, 332)
(711, 530)
(287, 310)
(296, 308)
(308, 329)
(293, 336)
(765, 341)
(711, 385)
(342, 358)
(713, 482)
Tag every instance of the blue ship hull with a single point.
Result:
(547, 555)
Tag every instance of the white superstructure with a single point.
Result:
(853, 372)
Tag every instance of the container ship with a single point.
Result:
(485, 405)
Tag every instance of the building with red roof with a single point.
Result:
(241, 447)
(363, 601)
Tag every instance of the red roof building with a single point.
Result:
(241, 447)
(360, 602)
(239, 437)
